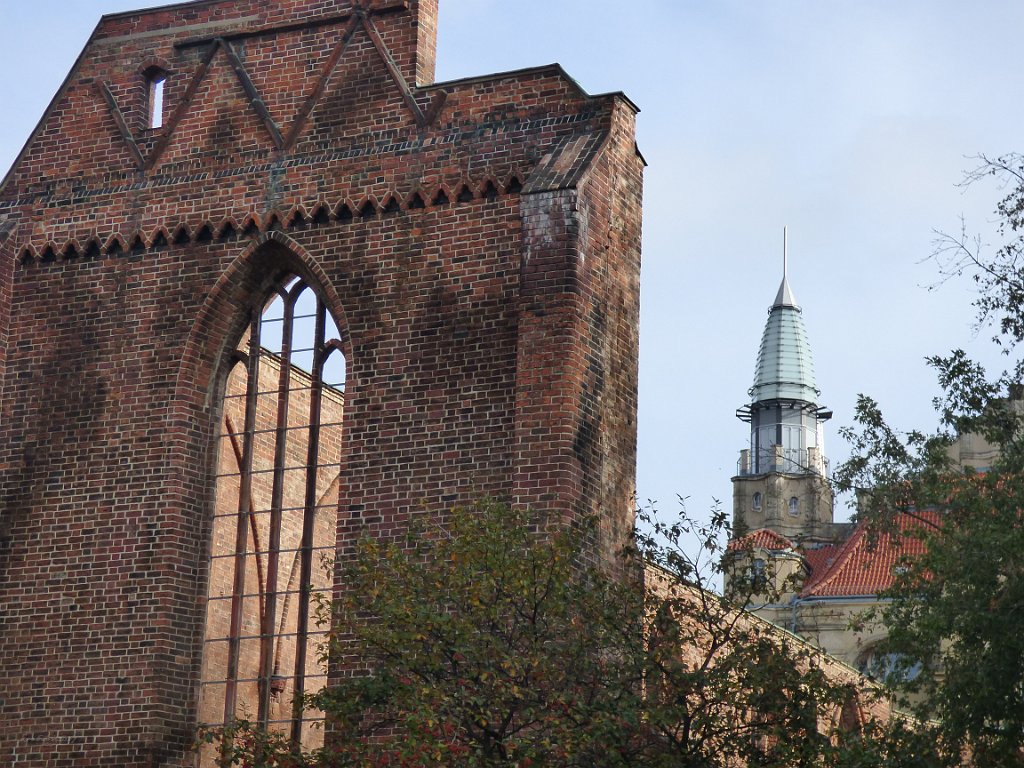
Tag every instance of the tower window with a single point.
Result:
(277, 490)
(794, 506)
(155, 80)
(759, 575)
(757, 502)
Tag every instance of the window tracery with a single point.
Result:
(277, 490)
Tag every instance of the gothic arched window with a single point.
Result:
(757, 501)
(277, 492)
(794, 506)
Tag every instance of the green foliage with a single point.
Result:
(957, 610)
(996, 273)
(484, 639)
(897, 743)
(485, 648)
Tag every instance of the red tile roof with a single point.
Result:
(761, 539)
(820, 558)
(860, 565)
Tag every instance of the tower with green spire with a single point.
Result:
(781, 483)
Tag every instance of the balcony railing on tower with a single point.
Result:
(790, 461)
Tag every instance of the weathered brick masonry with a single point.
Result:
(477, 241)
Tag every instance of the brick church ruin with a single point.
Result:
(264, 286)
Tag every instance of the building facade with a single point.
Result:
(236, 218)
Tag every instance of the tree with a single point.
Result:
(958, 610)
(486, 640)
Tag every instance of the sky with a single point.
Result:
(851, 122)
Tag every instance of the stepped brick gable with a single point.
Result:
(476, 244)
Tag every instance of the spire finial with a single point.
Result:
(785, 295)
(785, 251)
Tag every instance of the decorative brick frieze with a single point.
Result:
(56, 251)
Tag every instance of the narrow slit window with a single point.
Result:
(156, 81)
(277, 490)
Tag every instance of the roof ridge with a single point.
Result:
(762, 533)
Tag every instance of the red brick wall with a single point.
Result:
(490, 340)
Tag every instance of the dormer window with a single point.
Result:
(155, 80)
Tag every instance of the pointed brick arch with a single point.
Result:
(850, 716)
(268, 258)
